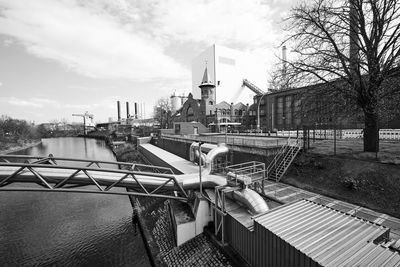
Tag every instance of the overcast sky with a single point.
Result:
(59, 57)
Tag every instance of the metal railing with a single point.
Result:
(58, 174)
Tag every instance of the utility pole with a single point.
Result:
(84, 119)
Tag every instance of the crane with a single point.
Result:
(86, 115)
(252, 87)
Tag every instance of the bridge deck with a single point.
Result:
(164, 158)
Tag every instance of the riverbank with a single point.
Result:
(7, 147)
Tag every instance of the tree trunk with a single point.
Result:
(371, 132)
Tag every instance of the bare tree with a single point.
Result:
(162, 112)
(355, 42)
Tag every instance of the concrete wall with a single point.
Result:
(180, 149)
(240, 154)
(189, 128)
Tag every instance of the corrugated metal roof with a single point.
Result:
(329, 237)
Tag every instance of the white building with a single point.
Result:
(228, 68)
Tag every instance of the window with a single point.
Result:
(189, 114)
(288, 111)
(210, 112)
(279, 111)
(240, 112)
(226, 60)
(211, 103)
(236, 112)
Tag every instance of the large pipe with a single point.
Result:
(119, 110)
(136, 111)
(127, 110)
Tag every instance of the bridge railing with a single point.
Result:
(53, 173)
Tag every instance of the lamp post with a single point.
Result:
(201, 184)
(258, 111)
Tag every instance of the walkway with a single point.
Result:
(161, 157)
(284, 193)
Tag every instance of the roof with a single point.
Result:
(239, 105)
(329, 237)
(223, 105)
(206, 81)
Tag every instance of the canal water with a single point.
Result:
(69, 229)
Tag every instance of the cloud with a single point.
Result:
(87, 40)
(34, 102)
(247, 23)
(20, 102)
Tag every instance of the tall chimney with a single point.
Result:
(284, 59)
(136, 110)
(119, 111)
(127, 110)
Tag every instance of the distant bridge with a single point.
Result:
(55, 174)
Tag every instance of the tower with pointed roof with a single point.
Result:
(207, 105)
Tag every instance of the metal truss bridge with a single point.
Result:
(54, 174)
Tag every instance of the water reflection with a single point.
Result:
(67, 229)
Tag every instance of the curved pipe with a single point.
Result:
(251, 199)
(203, 157)
(220, 150)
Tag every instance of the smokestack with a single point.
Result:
(136, 110)
(127, 110)
(119, 110)
(284, 59)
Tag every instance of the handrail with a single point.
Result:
(277, 156)
(283, 158)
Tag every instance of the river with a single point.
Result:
(68, 229)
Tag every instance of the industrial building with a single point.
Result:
(221, 89)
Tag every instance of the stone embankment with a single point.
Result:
(157, 230)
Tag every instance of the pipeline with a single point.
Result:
(248, 197)
(194, 154)
(105, 177)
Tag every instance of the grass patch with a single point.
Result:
(365, 183)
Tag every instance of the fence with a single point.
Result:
(384, 134)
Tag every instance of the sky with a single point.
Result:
(59, 57)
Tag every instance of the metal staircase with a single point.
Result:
(281, 162)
